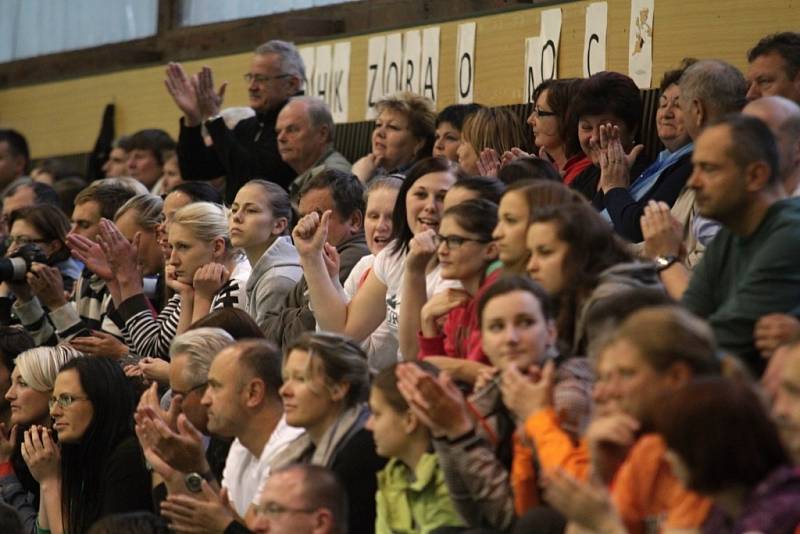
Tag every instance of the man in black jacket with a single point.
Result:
(250, 149)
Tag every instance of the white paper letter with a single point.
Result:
(322, 73)
(375, 57)
(594, 41)
(392, 73)
(550, 33)
(640, 45)
(308, 54)
(412, 48)
(430, 63)
(532, 73)
(340, 84)
(465, 63)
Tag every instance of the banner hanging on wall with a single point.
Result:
(640, 45)
(550, 34)
(340, 83)
(376, 54)
(465, 64)
(594, 41)
(430, 63)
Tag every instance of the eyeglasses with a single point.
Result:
(186, 393)
(260, 78)
(64, 400)
(455, 241)
(275, 509)
(539, 112)
(22, 240)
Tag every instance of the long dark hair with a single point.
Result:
(593, 248)
(82, 463)
(401, 232)
(48, 221)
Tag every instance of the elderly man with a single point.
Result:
(305, 141)
(783, 118)
(775, 67)
(250, 149)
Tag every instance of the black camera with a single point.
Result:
(19, 263)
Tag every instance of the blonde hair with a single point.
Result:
(420, 113)
(205, 220)
(39, 366)
(496, 128)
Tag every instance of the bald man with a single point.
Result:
(783, 118)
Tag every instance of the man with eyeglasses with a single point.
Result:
(250, 149)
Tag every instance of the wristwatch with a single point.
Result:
(663, 262)
(194, 481)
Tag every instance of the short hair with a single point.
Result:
(291, 60)
(510, 283)
(386, 182)
(17, 144)
(200, 346)
(132, 184)
(486, 187)
(560, 96)
(39, 366)
(718, 85)
(199, 191)
(235, 321)
(42, 193)
(751, 141)
(419, 111)
(13, 341)
(401, 232)
(609, 92)
(696, 423)
(130, 523)
(786, 44)
(672, 77)
(49, 221)
(665, 335)
(154, 140)
(206, 221)
(455, 114)
(496, 128)
(263, 359)
(109, 196)
(347, 190)
(68, 189)
(341, 359)
(148, 208)
(322, 489)
(123, 142)
(528, 168)
(319, 114)
(279, 203)
(476, 216)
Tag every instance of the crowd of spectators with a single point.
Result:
(476, 327)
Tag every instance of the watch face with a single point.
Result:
(194, 482)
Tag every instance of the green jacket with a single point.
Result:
(418, 502)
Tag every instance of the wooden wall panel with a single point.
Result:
(63, 118)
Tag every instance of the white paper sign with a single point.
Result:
(412, 50)
(375, 58)
(340, 83)
(594, 40)
(308, 53)
(465, 63)
(429, 84)
(533, 76)
(640, 46)
(392, 70)
(323, 61)
(550, 34)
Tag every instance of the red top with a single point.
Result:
(574, 166)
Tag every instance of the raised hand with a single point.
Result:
(365, 167)
(524, 394)
(47, 284)
(511, 155)
(663, 234)
(489, 163)
(331, 257)
(122, 255)
(438, 306)
(615, 164)
(209, 279)
(311, 233)
(421, 249)
(91, 255)
(100, 344)
(773, 330)
(437, 401)
(8, 440)
(209, 101)
(182, 288)
(204, 512)
(182, 89)
(41, 454)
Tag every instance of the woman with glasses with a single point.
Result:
(450, 335)
(46, 227)
(32, 381)
(325, 388)
(418, 211)
(403, 135)
(90, 464)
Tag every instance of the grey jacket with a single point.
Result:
(273, 277)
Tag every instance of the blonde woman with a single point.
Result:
(489, 132)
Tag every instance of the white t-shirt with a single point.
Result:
(244, 474)
(388, 268)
